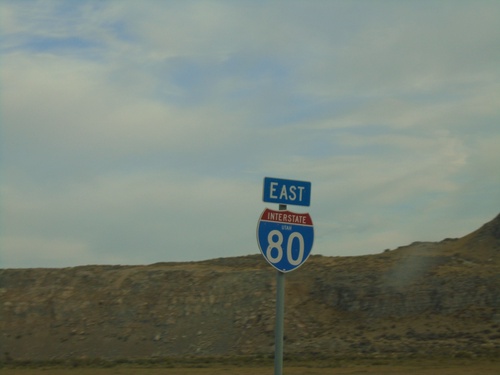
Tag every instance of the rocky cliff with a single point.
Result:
(425, 298)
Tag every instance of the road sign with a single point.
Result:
(277, 190)
(285, 238)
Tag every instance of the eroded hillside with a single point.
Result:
(425, 298)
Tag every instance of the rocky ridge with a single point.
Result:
(424, 298)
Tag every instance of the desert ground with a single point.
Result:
(377, 367)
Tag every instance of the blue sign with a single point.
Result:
(277, 190)
(285, 238)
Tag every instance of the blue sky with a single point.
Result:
(139, 132)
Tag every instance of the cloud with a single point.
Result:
(404, 50)
(145, 217)
(139, 132)
(44, 252)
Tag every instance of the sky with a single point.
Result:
(135, 132)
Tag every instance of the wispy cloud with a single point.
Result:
(136, 132)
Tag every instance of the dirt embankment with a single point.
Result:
(422, 299)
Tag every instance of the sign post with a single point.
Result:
(285, 240)
(279, 331)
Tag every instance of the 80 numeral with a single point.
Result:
(279, 248)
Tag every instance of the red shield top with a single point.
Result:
(286, 217)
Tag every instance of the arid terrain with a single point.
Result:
(421, 302)
(454, 367)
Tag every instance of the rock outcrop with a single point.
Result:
(425, 298)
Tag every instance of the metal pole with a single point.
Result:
(280, 318)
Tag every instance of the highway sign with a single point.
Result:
(285, 238)
(278, 190)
